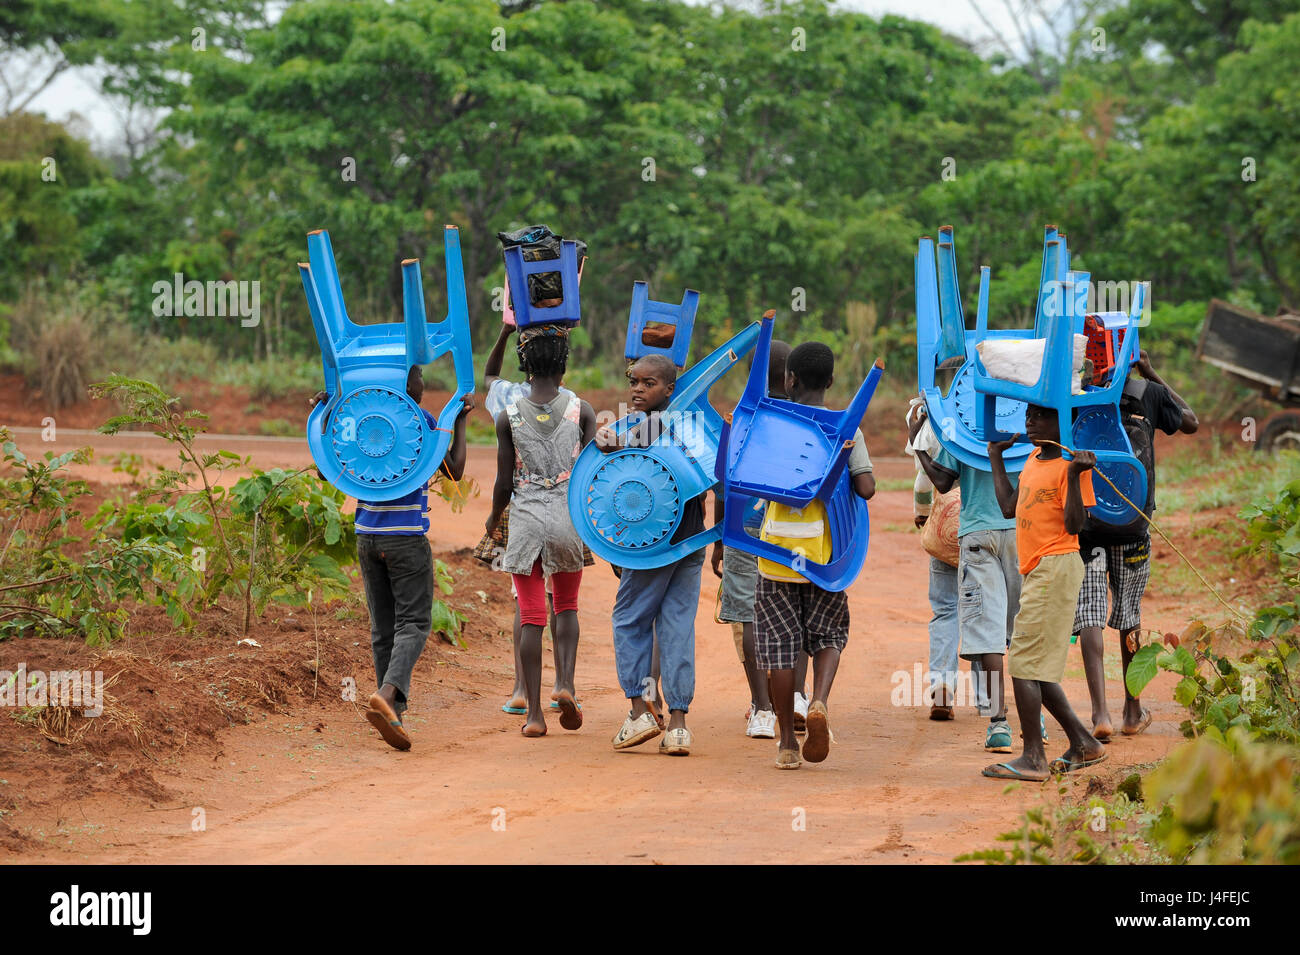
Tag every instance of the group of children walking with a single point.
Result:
(1027, 577)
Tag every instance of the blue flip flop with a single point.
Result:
(514, 710)
(555, 705)
(1010, 772)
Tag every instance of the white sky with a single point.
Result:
(77, 91)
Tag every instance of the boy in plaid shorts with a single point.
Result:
(1118, 559)
(793, 614)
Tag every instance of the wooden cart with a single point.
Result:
(1265, 354)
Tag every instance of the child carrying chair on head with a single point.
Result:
(492, 547)
(1049, 513)
(538, 439)
(790, 612)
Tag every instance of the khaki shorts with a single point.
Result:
(1040, 640)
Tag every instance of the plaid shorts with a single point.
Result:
(1123, 569)
(789, 617)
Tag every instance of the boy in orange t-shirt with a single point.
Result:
(1049, 513)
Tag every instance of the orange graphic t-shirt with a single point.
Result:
(1040, 510)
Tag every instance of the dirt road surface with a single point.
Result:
(322, 787)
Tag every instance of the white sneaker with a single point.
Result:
(634, 732)
(800, 710)
(762, 725)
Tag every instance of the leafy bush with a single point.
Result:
(1228, 799)
(46, 585)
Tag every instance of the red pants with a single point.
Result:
(531, 593)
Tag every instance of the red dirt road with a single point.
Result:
(896, 788)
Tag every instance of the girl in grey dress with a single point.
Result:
(538, 439)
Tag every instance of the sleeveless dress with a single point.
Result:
(539, 509)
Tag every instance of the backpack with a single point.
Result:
(1141, 435)
(803, 531)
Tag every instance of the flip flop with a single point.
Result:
(570, 711)
(1063, 765)
(1010, 772)
(382, 717)
(1142, 724)
(555, 704)
(513, 710)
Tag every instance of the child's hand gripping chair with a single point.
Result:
(942, 339)
(368, 437)
(1090, 420)
(627, 504)
(777, 450)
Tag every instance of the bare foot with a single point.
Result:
(1103, 730)
(1135, 723)
(534, 729)
(570, 715)
(518, 702)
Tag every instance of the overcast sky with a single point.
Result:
(77, 91)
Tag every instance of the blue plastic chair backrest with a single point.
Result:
(646, 310)
(627, 504)
(569, 311)
(785, 451)
(368, 437)
(954, 415)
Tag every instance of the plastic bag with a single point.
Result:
(537, 243)
(1020, 360)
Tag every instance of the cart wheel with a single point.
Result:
(1280, 432)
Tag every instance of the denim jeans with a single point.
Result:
(398, 574)
(944, 634)
(661, 601)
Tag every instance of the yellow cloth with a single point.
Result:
(1040, 639)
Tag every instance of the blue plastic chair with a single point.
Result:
(569, 311)
(811, 451)
(627, 504)
(1088, 421)
(784, 451)
(646, 310)
(368, 437)
(940, 322)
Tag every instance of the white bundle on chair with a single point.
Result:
(1020, 360)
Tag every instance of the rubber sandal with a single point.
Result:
(818, 744)
(1007, 771)
(1142, 724)
(555, 704)
(1063, 765)
(513, 710)
(788, 759)
(570, 711)
(383, 718)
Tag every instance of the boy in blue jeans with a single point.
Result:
(660, 602)
(792, 613)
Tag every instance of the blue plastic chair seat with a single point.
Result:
(368, 437)
(784, 451)
(569, 311)
(627, 504)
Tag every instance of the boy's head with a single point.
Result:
(543, 351)
(776, 363)
(415, 383)
(809, 370)
(651, 380)
(1041, 424)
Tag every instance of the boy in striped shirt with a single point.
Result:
(397, 568)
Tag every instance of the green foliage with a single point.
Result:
(1096, 831)
(447, 621)
(276, 535)
(1228, 798)
(53, 582)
